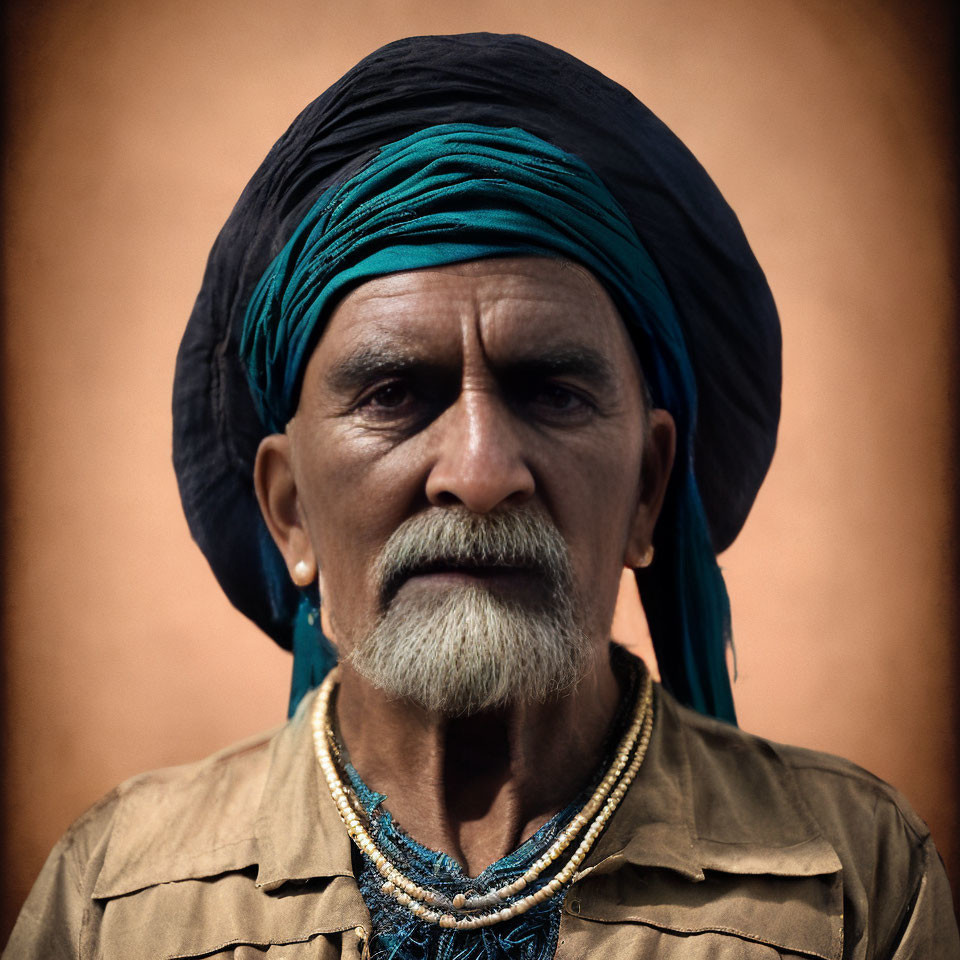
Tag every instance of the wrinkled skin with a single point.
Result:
(483, 386)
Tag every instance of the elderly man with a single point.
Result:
(479, 334)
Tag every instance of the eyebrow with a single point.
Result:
(561, 360)
(369, 363)
(373, 362)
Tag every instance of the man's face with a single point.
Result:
(465, 393)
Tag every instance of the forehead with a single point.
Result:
(510, 307)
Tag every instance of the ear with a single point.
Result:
(276, 490)
(659, 450)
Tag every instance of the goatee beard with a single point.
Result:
(465, 648)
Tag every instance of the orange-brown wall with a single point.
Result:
(132, 128)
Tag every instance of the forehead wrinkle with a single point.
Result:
(505, 317)
(401, 316)
(556, 331)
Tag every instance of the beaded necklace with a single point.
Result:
(395, 934)
(466, 912)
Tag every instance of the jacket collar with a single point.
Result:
(708, 802)
(299, 831)
(699, 804)
(300, 835)
(718, 817)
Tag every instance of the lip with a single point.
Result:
(470, 574)
(497, 578)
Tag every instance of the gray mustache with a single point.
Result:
(445, 538)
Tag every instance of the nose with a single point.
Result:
(480, 464)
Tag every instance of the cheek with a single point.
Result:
(593, 496)
(598, 477)
(602, 520)
(353, 496)
(345, 486)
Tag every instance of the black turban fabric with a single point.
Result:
(722, 300)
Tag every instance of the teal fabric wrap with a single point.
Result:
(457, 192)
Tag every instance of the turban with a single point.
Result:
(447, 194)
(411, 141)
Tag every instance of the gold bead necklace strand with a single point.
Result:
(495, 898)
(420, 901)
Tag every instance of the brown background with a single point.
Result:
(132, 128)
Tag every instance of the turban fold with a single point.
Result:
(625, 199)
(447, 194)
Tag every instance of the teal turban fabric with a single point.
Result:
(450, 193)
(456, 192)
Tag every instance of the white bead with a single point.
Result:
(611, 791)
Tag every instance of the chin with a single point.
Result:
(465, 649)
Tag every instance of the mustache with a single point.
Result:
(520, 538)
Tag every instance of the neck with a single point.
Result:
(476, 787)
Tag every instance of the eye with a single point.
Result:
(559, 398)
(555, 402)
(394, 404)
(388, 397)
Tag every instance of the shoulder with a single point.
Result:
(848, 801)
(134, 837)
(239, 842)
(744, 784)
(179, 821)
(836, 793)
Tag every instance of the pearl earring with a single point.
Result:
(302, 573)
(647, 557)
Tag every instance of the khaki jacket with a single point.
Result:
(726, 846)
